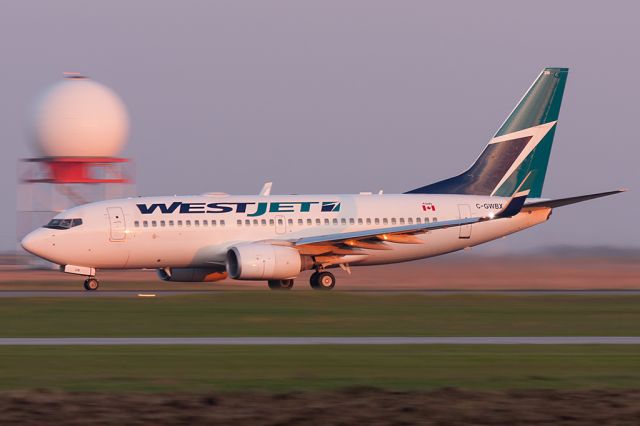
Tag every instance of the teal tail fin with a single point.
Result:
(520, 148)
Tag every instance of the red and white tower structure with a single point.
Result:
(78, 127)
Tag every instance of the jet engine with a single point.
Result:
(262, 261)
(191, 274)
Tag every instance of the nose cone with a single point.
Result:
(36, 243)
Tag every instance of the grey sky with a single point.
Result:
(340, 96)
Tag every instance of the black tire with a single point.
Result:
(287, 284)
(313, 280)
(280, 284)
(323, 281)
(91, 284)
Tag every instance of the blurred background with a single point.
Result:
(322, 96)
(338, 96)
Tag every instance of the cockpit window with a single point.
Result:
(63, 223)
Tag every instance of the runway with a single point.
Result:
(306, 341)
(168, 293)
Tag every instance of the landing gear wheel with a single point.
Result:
(313, 280)
(280, 284)
(322, 280)
(91, 284)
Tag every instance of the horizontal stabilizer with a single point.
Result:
(571, 200)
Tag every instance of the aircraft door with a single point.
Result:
(465, 212)
(281, 224)
(116, 224)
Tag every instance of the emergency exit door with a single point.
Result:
(465, 212)
(116, 223)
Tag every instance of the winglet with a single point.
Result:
(518, 199)
(266, 189)
(514, 205)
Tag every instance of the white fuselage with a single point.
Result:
(197, 231)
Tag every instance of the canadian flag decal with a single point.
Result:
(428, 207)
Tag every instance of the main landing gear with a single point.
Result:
(322, 280)
(91, 284)
(280, 284)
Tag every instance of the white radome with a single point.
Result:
(79, 118)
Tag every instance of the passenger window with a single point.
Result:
(263, 222)
(343, 221)
(368, 221)
(222, 223)
(426, 220)
(188, 223)
(326, 221)
(170, 223)
(255, 222)
(318, 222)
(435, 219)
(196, 222)
(154, 223)
(352, 221)
(376, 221)
(290, 221)
(247, 222)
(360, 221)
(300, 222)
(136, 224)
(239, 222)
(162, 223)
(402, 221)
(335, 221)
(410, 221)
(213, 223)
(309, 222)
(385, 221)
(393, 220)
(271, 222)
(145, 224)
(418, 220)
(179, 223)
(280, 222)
(205, 223)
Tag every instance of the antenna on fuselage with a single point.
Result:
(266, 189)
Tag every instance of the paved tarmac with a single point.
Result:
(304, 341)
(165, 293)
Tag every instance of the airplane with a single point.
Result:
(213, 236)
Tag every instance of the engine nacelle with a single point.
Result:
(263, 262)
(191, 274)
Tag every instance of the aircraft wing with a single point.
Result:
(382, 232)
(375, 238)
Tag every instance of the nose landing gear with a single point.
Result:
(91, 284)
